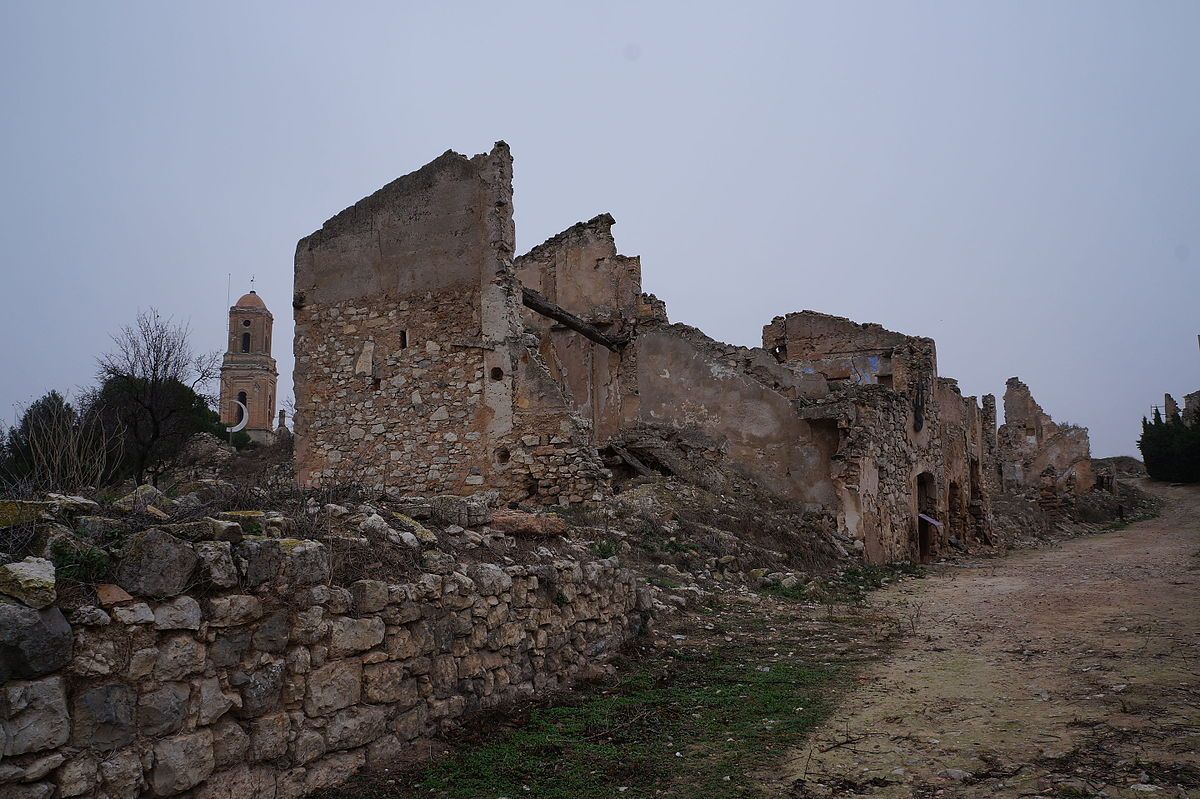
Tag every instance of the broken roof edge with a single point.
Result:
(819, 315)
(422, 178)
(600, 223)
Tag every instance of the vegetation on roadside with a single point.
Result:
(701, 727)
(850, 586)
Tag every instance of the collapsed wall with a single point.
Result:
(430, 360)
(669, 377)
(908, 467)
(1191, 408)
(1033, 451)
(412, 373)
(225, 665)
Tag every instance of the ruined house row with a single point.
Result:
(431, 359)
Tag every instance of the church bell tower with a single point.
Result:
(248, 371)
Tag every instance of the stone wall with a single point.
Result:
(910, 442)
(1191, 408)
(235, 669)
(1032, 449)
(412, 371)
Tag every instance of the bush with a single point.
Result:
(79, 562)
(1171, 449)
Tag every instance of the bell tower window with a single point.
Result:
(245, 342)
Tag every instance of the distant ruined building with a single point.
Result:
(430, 359)
(248, 372)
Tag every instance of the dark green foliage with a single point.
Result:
(156, 420)
(16, 451)
(1171, 449)
(57, 446)
(603, 548)
(80, 562)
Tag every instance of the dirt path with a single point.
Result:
(1059, 673)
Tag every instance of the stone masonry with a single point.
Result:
(232, 666)
(431, 360)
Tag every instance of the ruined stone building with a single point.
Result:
(431, 359)
(248, 372)
(1033, 449)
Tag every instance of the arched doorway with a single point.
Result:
(926, 510)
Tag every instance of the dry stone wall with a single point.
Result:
(234, 668)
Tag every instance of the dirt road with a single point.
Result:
(1059, 672)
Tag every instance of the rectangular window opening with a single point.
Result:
(403, 339)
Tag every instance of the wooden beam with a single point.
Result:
(536, 302)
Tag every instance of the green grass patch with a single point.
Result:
(853, 585)
(78, 561)
(700, 730)
(604, 548)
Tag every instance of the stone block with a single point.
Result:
(261, 690)
(179, 656)
(182, 762)
(181, 613)
(156, 564)
(33, 716)
(29, 581)
(333, 687)
(348, 636)
(32, 642)
(163, 710)
(103, 717)
(269, 737)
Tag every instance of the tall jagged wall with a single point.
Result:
(411, 370)
(1030, 442)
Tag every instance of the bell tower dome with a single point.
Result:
(248, 371)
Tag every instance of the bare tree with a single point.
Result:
(151, 385)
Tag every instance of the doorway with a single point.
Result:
(926, 508)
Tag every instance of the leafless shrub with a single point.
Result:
(57, 448)
(149, 383)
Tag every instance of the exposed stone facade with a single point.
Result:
(412, 370)
(248, 371)
(429, 359)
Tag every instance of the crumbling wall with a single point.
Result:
(890, 465)
(581, 271)
(221, 669)
(412, 373)
(965, 458)
(671, 376)
(1032, 449)
(834, 347)
(687, 380)
(1191, 408)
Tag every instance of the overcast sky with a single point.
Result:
(1018, 180)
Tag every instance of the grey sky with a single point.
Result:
(1018, 180)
